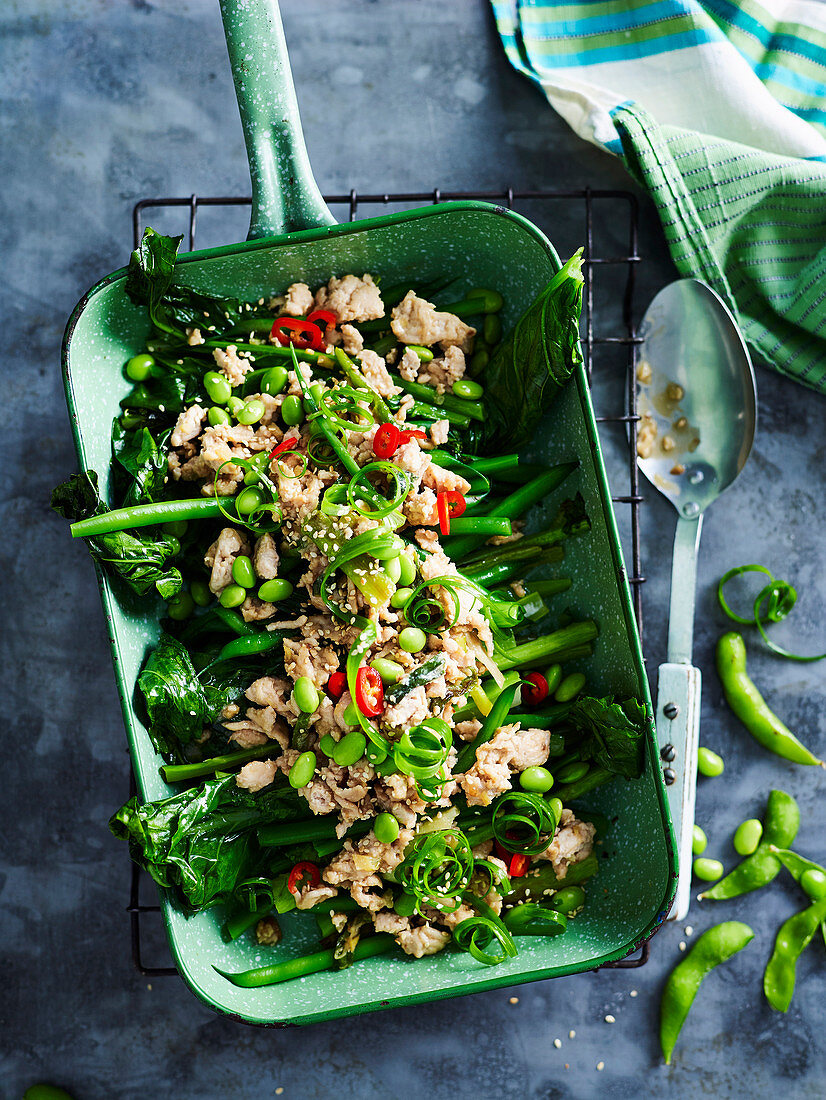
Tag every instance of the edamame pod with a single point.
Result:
(750, 706)
(781, 820)
(794, 936)
(712, 948)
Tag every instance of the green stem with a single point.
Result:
(179, 773)
(307, 964)
(146, 515)
(542, 877)
(489, 575)
(283, 833)
(357, 381)
(549, 588)
(497, 465)
(480, 525)
(524, 472)
(594, 778)
(474, 409)
(518, 502)
(552, 645)
(498, 713)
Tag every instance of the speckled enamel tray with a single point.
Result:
(478, 245)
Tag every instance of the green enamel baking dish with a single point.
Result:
(293, 237)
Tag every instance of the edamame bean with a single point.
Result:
(709, 763)
(393, 569)
(180, 606)
(814, 884)
(407, 568)
(275, 590)
(235, 404)
(405, 905)
(351, 715)
(572, 772)
(218, 387)
(386, 829)
(709, 870)
(423, 354)
(568, 900)
(275, 380)
(305, 695)
(248, 500)
(292, 411)
(748, 836)
(536, 779)
(199, 590)
(715, 946)
(139, 367)
(232, 596)
(400, 597)
(374, 754)
(327, 744)
(302, 771)
(242, 571)
(390, 671)
(478, 361)
(174, 545)
(251, 412)
(699, 841)
(217, 416)
(492, 329)
(570, 687)
(176, 527)
(466, 387)
(553, 675)
(350, 748)
(258, 464)
(556, 807)
(412, 639)
(317, 390)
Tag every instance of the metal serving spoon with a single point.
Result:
(698, 401)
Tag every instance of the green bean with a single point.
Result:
(494, 465)
(139, 367)
(266, 351)
(747, 836)
(515, 505)
(780, 824)
(178, 773)
(284, 834)
(570, 687)
(709, 763)
(472, 409)
(573, 772)
(750, 706)
(699, 841)
(234, 621)
(495, 718)
(709, 870)
(146, 515)
(715, 946)
(475, 301)
(542, 877)
(523, 473)
(595, 778)
(794, 936)
(283, 971)
(496, 573)
(250, 645)
(480, 525)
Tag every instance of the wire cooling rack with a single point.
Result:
(606, 223)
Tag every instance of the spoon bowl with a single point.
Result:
(696, 395)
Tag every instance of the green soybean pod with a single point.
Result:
(813, 882)
(275, 380)
(302, 771)
(747, 836)
(780, 824)
(794, 936)
(709, 763)
(46, 1092)
(292, 411)
(305, 695)
(243, 572)
(350, 748)
(709, 870)
(699, 841)
(570, 687)
(797, 865)
(715, 946)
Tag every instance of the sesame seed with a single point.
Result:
(681, 945)
(600, 1065)
(513, 1000)
(689, 931)
(557, 1043)
(572, 1034)
(609, 1019)
(633, 992)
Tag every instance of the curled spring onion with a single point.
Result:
(476, 935)
(271, 507)
(778, 596)
(425, 611)
(437, 869)
(360, 489)
(524, 822)
(491, 877)
(422, 751)
(532, 919)
(346, 400)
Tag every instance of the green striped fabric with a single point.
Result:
(719, 110)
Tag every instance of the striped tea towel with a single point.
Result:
(719, 109)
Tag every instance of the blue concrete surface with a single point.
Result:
(105, 103)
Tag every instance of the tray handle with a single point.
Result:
(285, 196)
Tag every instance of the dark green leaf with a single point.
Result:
(532, 365)
(609, 733)
(142, 460)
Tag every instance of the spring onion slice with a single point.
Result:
(779, 597)
(361, 488)
(272, 506)
(423, 750)
(476, 934)
(344, 399)
(533, 919)
(437, 869)
(493, 877)
(524, 822)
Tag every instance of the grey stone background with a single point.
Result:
(107, 102)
